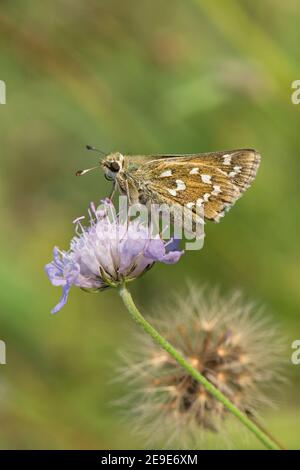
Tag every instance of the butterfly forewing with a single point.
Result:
(212, 180)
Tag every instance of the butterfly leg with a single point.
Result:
(128, 192)
(112, 193)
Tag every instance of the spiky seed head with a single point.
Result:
(231, 343)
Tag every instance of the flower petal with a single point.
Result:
(172, 257)
(55, 275)
(63, 299)
(129, 250)
(155, 250)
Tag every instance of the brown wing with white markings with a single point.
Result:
(214, 180)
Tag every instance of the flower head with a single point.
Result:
(226, 341)
(107, 252)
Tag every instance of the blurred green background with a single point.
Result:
(141, 76)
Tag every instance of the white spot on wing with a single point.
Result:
(217, 190)
(189, 205)
(227, 159)
(206, 178)
(236, 171)
(206, 197)
(180, 185)
(166, 173)
(194, 171)
(173, 192)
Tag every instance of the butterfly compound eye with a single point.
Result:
(114, 166)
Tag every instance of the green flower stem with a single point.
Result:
(140, 320)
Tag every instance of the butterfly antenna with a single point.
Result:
(90, 147)
(83, 172)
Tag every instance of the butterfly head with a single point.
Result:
(112, 164)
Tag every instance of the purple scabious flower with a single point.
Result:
(107, 252)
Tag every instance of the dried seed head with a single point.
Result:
(233, 346)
